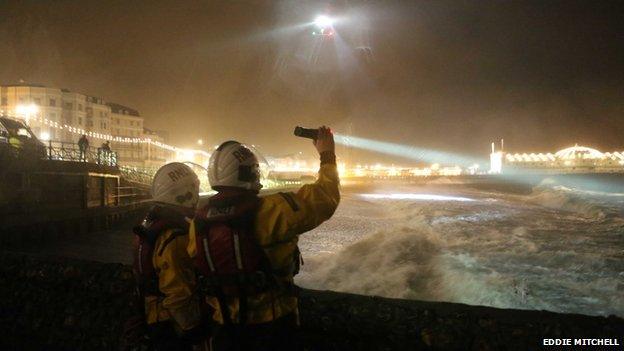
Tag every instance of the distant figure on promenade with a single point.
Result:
(168, 306)
(106, 146)
(245, 248)
(104, 153)
(83, 145)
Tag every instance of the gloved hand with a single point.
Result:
(325, 141)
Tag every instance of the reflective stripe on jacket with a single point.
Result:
(281, 218)
(176, 282)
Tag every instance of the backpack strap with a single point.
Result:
(176, 233)
(158, 220)
(203, 226)
(238, 213)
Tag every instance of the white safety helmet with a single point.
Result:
(176, 184)
(233, 164)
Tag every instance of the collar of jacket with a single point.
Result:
(230, 203)
(159, 219)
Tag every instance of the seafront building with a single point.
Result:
(45, 109)
(61, 116)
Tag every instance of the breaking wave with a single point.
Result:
(589, 204)
(505, 252)
(560, 198)
(413, 263)
(400, 263)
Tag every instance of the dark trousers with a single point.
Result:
(164, 338)
(278, 335)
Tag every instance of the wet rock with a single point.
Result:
(53, 303)
(69, 321)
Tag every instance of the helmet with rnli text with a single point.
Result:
(176, 184)
(233, 164)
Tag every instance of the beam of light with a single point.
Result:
(414, 196)
(354, 79)
(406, 151)
(509, 175)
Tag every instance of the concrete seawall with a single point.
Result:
(65, 304)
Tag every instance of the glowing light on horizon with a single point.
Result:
(406, 151)
(415, 196)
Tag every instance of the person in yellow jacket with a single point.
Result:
(163, 270)
(257, 307)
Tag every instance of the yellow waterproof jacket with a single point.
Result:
(176, 281)
(280, 219)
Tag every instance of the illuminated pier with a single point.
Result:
(575, 159)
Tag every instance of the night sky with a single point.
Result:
(446, 75)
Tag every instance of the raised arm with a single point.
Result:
(285, 215)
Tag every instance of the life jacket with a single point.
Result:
(158, 220)
(229, 261)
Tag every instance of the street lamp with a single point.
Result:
(200, 142)
(188, 155)
(26, 111)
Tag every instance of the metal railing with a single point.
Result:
(132, 194)
(139, 175)
(62, 151)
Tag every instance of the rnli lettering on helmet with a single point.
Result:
(242, 154)
(178, 173)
